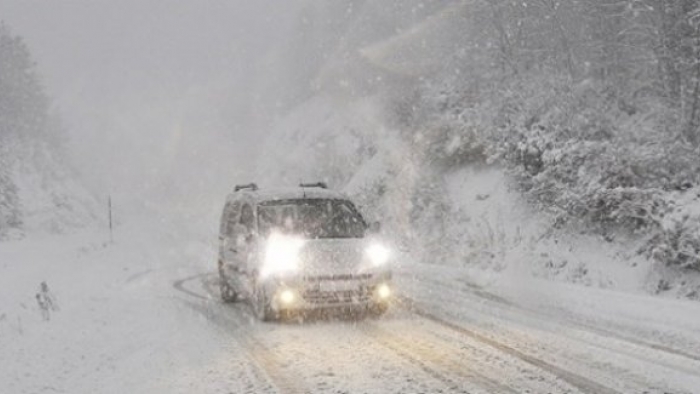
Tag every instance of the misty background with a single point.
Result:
(445, 119)
(164, 98)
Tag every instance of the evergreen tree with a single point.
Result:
(23, 103)
(23, 119)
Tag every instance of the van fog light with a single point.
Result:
(383, 291)
(287, 297)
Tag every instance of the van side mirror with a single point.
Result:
(374, 227)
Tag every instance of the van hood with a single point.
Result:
(322, 257)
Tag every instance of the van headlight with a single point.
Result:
(281, 254)
(378, 254)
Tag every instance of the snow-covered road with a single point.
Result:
(144, 316)
(418, 348)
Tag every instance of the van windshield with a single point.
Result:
(311, 218)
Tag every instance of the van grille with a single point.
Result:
(361, 296)
(314, 295)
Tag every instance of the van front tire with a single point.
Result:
(263, 309)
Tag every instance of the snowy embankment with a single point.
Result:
(615, 337)
(498, 231)
(39, 193)
(501, 232)
(117, 325)
(466, 216)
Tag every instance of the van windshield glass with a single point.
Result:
(311, 218)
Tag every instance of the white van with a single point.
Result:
(298, 249)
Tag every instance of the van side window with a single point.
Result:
(247, 217)
(230, 217)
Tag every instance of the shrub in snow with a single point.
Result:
(579, 151)
(677, 243)
(575, 157)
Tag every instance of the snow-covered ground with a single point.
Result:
(395, 105)
(142, 315)
(117, 328)
(497, 230)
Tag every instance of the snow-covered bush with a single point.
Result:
(577, 153)
(440, 124)
(578, 150)
(678, 241)
(680, 245)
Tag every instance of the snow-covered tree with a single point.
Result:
(23, 115)
(37, 190)
(23, 103)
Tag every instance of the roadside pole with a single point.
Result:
(109, 210)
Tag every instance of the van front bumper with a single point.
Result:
(330, 291)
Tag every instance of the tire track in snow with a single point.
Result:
(442, 372)
(218, 313)
(432, 372)
(476, 291)
(580, 382)
(179, 285)
(436, 366)
(589, 334)
(438, 370)
(138, 275)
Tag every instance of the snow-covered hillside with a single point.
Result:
(43, 194)
(470, 215)
(511, 167)
(39, 193)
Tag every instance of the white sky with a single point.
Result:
(151, 90)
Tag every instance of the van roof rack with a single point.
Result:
(321, 185)
(251, 186)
